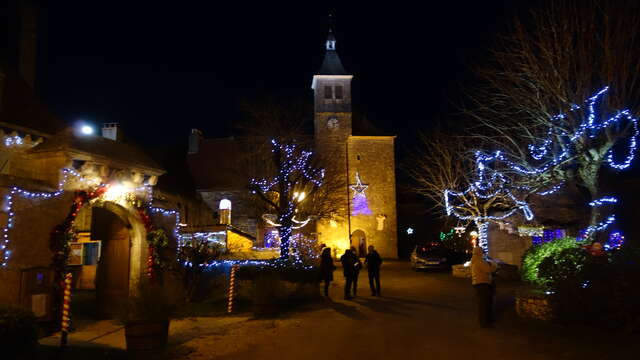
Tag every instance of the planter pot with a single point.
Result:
(147, 339)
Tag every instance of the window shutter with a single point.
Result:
(338, 90)
(328, 93)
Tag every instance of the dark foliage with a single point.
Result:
(287, 273)
(599, 290)
(18, 331)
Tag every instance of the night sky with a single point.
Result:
(160, 70)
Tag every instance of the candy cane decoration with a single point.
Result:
(232, 285)
(150, 272)
(65, 309)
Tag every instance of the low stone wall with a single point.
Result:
(534, 304)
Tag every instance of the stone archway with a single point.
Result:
(121, 263)
(359, 241)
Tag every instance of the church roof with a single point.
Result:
(331, 65)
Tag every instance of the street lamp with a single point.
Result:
(86, 130)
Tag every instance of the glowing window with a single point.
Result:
(225, 204)
(225, 211)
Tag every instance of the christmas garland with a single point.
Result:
(62, 233)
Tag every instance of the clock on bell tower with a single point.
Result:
(332, 95)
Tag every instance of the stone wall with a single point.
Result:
(534, 305)
(507, 247)
(372, 157)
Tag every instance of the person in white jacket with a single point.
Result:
(482, 281)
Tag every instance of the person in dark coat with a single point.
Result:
(373, 262)
(348, 260)
(357, 266)
(326, 269)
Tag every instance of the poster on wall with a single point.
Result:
(75, 254)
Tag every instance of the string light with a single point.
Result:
(615, 241)
(295, 169)
(360, 204)
(491, 183)
(176, 228)
(16, 191)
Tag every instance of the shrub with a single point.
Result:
(273, 288)
(18, 330)
(267, 294)
(564, 266)
(601, 290)
(537, 254)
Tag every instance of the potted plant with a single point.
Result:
(146, 318)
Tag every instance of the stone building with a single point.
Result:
(365, 164)
(46, 169)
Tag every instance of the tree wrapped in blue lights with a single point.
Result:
(296, 179)
(563, 154)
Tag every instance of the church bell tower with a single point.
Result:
(332, 95)
(332, 123)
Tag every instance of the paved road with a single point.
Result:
(422, 315)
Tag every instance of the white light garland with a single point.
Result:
(490, 182)
(16, 191)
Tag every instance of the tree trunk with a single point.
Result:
(589, 176)
(285, 237)
(483, 235)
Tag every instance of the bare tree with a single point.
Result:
(552, 60)
(454, 177)
(440, 162)
(271, 126)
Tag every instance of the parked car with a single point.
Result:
(430, 257)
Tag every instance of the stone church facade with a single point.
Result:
(365, 164)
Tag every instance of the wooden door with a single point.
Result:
(112, 283)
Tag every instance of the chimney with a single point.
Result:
(27, 47)
(194, 141)
(110, 131)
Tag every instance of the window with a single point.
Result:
(328, 93)
(338, 92)
(225, 212)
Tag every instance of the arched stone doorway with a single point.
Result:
(359, 241)
(121, 258)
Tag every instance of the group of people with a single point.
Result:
(351, 266)
(482, 270)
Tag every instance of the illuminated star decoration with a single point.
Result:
(360, 204)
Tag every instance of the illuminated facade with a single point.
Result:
(364, 164)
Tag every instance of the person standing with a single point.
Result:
(356, 266)
(373, 262)
(348, 260)
(326, 269)
(482, 281)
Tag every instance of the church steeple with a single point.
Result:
(331, 41)
(332, 95)
(331, 65)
